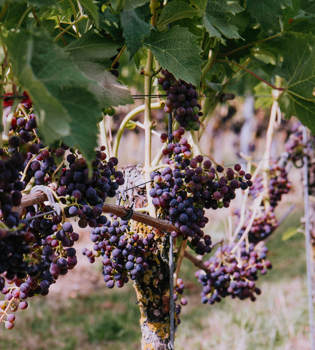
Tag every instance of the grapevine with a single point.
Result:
(69, 74)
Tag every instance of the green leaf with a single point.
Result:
(132, 4)
(43, 3)
(118, 5)
(178, 52)
(85, 114)
(58, 89)
(92, 47)
(291, 232)
(266, 12)
(135, 30)
(13, 14)
(200, 5)
(218, 16)
(92, 9)
(298, 70)
(87, 53)
(264, 96)
(110, 23)
(104, 85)
(174, 11)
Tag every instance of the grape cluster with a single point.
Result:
(179, 290)
(33, 258)
(36, 244)
(126, 253)
(263, 226)
(279, 184)
(183, 190)
(88, 194)
(297, 150)
(233, 274)
(295, 147)
(182, 99)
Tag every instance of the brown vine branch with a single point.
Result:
(117, 58)
(250, 44)
(162, 225)
(251, 73)
(195, 261)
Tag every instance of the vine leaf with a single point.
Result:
(174, 11)
(298, 69)
(217, 16)
(92, 9)
(104, 85)
(178, 52)
(92, 47)
(89, 53)
(267, 12)
(58, 89)
(118, 5)
(135, 30)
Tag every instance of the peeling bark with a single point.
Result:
(154, 336)
(312, 219)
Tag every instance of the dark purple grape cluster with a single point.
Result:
(36, 243)
(183, 190)
(182, 99)
(295, 147)
(13, 159)
(263, 226)
(89, 193)
(126, 254)
(297, 150)
(32, 258)
(311, 177)
(179, 290)
(279, 184)
(233, 274)
(10, 186)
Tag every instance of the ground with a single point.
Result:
(81, 314)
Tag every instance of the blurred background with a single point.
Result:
(82, 314)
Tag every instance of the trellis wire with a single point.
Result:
(171, 260)
(135, 96)
(308, 245)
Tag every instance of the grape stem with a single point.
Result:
(148, 128)
(128, 117)
(141, 126)
(118, 56)
(180, 257)
(6, 310)
(195, 261)
(267, 154)
(250, 223)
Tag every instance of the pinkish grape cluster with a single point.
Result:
(182, 99)
(231, 274)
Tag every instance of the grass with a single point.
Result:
(109, 320)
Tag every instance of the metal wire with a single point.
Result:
(41, 215)
(171, 261)
(308, 246)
